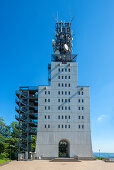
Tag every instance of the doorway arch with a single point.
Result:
(63, 148)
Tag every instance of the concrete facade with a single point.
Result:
(64, 114)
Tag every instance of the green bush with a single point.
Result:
(4, 155)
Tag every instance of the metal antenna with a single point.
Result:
(57, 15)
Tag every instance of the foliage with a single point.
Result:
(3, 160)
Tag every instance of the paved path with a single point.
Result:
(46, 165)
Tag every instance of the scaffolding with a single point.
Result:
(27, 109)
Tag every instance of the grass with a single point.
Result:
(3, 160)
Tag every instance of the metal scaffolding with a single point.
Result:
(27, 109)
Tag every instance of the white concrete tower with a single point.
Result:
(63, 106)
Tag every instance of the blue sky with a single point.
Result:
(26, 31)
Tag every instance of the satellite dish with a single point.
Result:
(66, 47)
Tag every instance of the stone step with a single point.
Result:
(64, 160)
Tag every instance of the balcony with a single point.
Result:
(33, 123)
(33, 115)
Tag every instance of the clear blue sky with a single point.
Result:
(26, 30)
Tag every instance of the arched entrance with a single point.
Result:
(63, 148)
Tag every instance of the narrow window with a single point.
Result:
(58, 77)
(79, 126)
(45, 116)
(79, 100)
(59, 108)
(78, 117)
(62, 69)
(48, 100)
(82, 92)
(62, 107)
(62, 100)
(59, 117)
(58, 100)
(58, 84)
(65, 107)
(45, 100)
(48, 126)
(69, 117)
(45, 107)
(78, 92)
(68, 126)
(65, 126)
(69, 84)
(65, 77)
(68, 100)
(82, 117)
(45, 92)
(65, 70)
(62, 116)
(59, 92)
(82, 126)
(62, 126)
(82, 108)
(69, 77)
(48, 107)
(69, 92)
(65, 92)
(78, 108)
(48, 116)
(65, 117)
(65, 100)
(45, 126)
(65, 85)
(69, 69)
(58, 126)
(82, 100)
(62, 77)
(59, 70)
(62, 85)
(69, 107)
(48, 92)
(62, 92)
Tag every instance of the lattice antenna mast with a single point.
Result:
(62, 44)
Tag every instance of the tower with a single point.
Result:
(63, 106)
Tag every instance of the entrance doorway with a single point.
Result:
(64, 148)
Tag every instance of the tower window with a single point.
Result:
(59, 117)
(82, 92)
(58, 100)
(78, 108)
(59, 70)
(82, 100)
(65, 100)
(69, 107)
(79, 100)
(45, 107)
(59, 92)
(62, 107)
(68, 126)
(82, 126)
(65, 92)
(69, 77)
(65, 117)
(45, 100)
(48, 100)
(48, 116)
(79, 126)
(82, 108)
(65, 85)
(62, 69)
(78, 92)
(45, 116)
(68, 100)
(69, 117)
(82, 117)
(65, 70)
(58, 84)
(62, 84)
(69, 69)
(62, 92)
(69, 84)
(78, 117)
(65, 126)
(45, 92)
(48, 107)
(58, 126)
(48, 126)
(62, 116)
(48, 92)
(58, 77)
(62, 126)
(59, 108)
(62, 100)
(65, 107)
(45, 126)
(65, 77)
(62, 77)
(69, 92)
